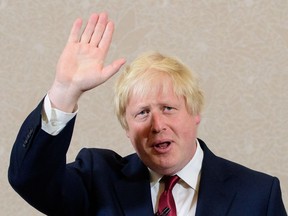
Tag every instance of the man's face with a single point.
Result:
(161, 129)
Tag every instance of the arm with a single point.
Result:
(38, 165)
(38, 169)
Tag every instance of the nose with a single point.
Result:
(157, 123)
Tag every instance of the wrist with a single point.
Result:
(64, 98)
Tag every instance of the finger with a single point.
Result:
(89, 29)
(99, 29)
(107, 37)
(113, 68)
(75, 30)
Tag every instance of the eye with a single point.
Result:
(168, 108)
(142, 113)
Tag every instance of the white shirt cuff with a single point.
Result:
(54, 120)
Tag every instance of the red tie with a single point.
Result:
(166, 200)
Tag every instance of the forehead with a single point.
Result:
(161, 93)
(152, 82)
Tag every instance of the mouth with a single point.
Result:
(162, 147)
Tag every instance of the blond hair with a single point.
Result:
(137, 79)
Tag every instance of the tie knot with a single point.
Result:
(170, 182)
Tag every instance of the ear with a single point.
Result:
(197, 119)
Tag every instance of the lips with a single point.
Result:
(162, 145)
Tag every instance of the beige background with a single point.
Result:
(238, 47)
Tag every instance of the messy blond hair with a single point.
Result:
(137, 79)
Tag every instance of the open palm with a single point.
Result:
(81, 64)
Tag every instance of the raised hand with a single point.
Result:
(81, 64)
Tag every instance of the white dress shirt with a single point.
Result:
(185, 192)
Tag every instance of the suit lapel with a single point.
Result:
(133, 190)
(217, 191)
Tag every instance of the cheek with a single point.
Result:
(136, 130)
(137, 143)
(131, 138)
(138, 136)
(187, 131)
(134, 135)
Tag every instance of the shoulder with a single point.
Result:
(96, 161)
(104, 155)
(223, 169)
(255, 190)
(104, 159)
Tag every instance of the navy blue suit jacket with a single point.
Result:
(101, 182)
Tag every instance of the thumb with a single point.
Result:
(113, 68)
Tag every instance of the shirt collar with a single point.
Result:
(191, 172)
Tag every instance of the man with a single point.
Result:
(158, 103)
